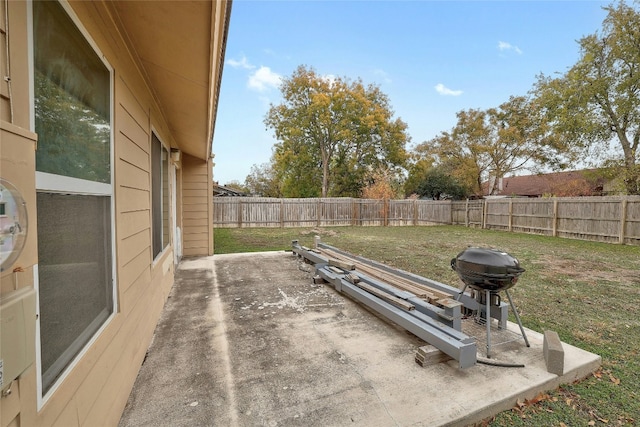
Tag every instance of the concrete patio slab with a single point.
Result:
(249, 340)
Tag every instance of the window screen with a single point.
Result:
(74, 267)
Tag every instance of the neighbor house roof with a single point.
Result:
(179, 48)
(222, 191)
(571, 183)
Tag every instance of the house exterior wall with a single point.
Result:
(197, 213)
(95, 390)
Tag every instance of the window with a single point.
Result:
(159, 195)
(74, 251)
(72, 110)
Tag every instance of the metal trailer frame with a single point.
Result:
(499, 312)
(424, 322)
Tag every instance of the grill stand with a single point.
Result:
(488, 299)
(515, 313)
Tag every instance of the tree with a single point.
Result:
(595, 105)
(437, 184)
(383, 184)
(330, 132)
(419, 165)
(494, 142)
(261, 181)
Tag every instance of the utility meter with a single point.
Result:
(13, 224)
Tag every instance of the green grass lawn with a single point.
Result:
(588, 292)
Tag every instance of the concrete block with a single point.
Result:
(553, 353)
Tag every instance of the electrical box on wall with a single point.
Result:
(17, 334)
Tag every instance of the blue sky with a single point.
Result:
(432, 58)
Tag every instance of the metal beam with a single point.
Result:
(425, 321)
(497, 312)
(454, 343)
(436, 313)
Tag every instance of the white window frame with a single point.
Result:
(52, 183)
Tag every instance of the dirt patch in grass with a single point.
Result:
(583, 270)
(327, 232)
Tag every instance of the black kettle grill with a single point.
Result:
(488, 271)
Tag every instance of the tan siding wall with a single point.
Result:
(197, 209)
(96, 389)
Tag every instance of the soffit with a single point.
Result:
(172, 42)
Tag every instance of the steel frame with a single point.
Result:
(427, 321)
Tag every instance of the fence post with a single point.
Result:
(281, 213)
(239, 213)
(623, 220)
(415, 212)
(385, 208)
(318, 212)
(466, 213)
(483, 221)
(510, 215)
(451, 206)
(353, 211)
(554, 224)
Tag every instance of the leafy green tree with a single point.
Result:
(595, 105)
(493, 142)
(331, 132)
(418, 167)
(437, 184)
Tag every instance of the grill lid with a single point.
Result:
(490, 269)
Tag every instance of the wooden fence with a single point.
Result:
(606, 219)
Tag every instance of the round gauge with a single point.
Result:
(13, 224)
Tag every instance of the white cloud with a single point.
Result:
(443, 90)
(241, 63)
(263, 79)
(508, 46)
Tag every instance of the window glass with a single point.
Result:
(72, 99)
(159, 195)
(165, 197)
